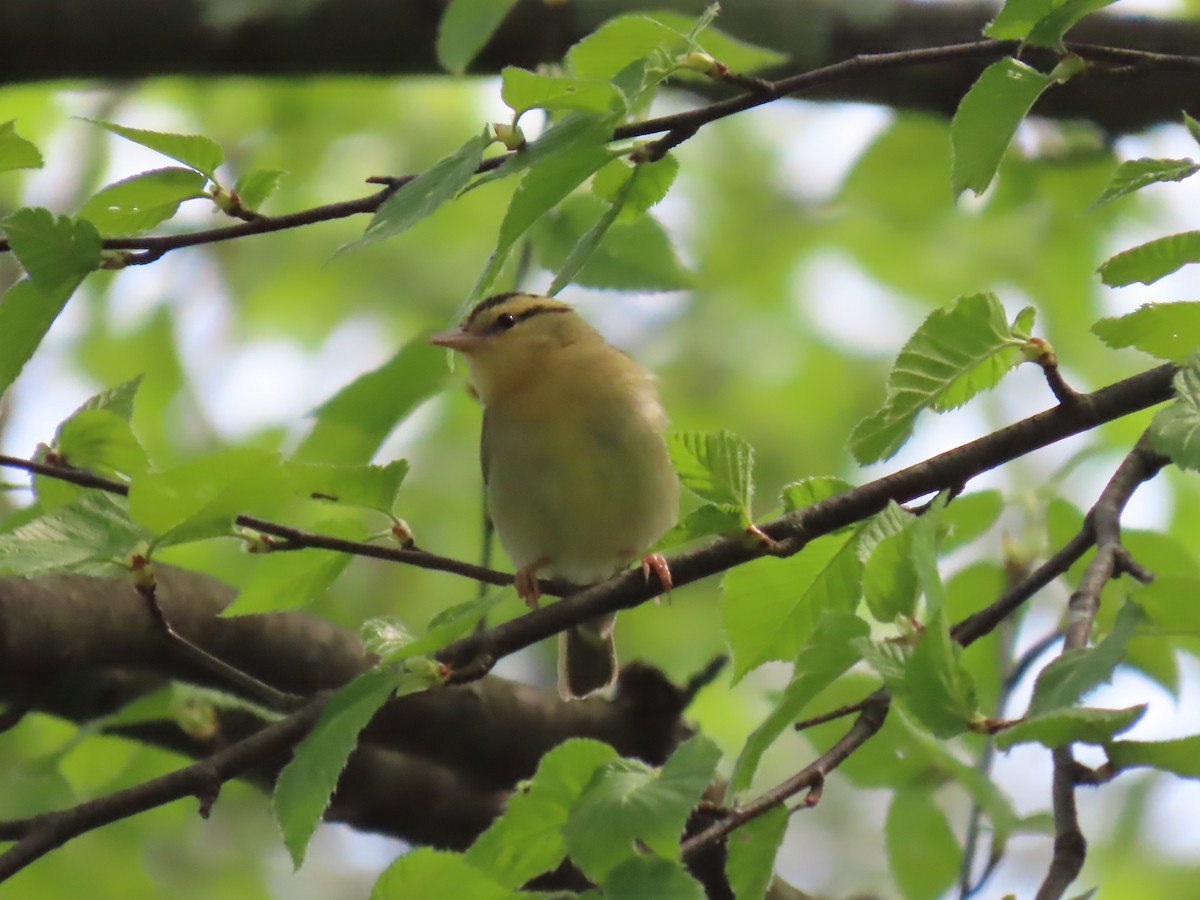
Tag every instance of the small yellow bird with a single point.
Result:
(579, 483)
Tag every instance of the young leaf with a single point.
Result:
(200, 153)
(986, 120)
(369, 486)
(936, 688)
(523, 90)
(1073, 725)
(711, 518)
(139, 203)
(1151, 261)
(636, 255)
(428, 874)
(351, 425)
(305, 785)
(640, 186)
(26, 314)
(1180, 756)
(717, 467)
(200, 498)
(93, 535)
(448, 625)
(889, 573)
(15, 151)
(628, 801)
(543, 187)
(737, 54)
(527, 839)
(465, 28)
(969, 516)
(829, 652)
(1135, 174)
(923, 853)
(651, 876)
(1017, 17)
(751, 851)
(56, 253)
(1066, 680)
(1050, 30)
(1166, 330)
(254, 187)
(619, 42)
(1175, 429)
(800, 494)
(771, 607)
(291, 579)
(100, 441)
(437, 185)
(116, 400)
(585, 248)
(956, 353)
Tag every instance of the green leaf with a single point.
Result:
(254, 187)
(116, 400)
(93, 535)
(15, 151)
(422, 196)
(801, 494)
(305, 785)
(368, 486)
(1175, 429)
(1073, 725)
(1192, 126)
(26, 314)
(544, 186)
(923, 853)
(639, 187)
(1161, 601)
(969, 516)
(139, 203)
(619, 42)
(527, 839)
(200, 498)
(428, 874)
(448, 625)
(829, 652)
(1180, 756)
(937, 689)
(716, 467)
(711, 518)
(1066, 680)
(351, 425)
(956, 353)
(647, 877)
(466, 26)
(986, 120)
(290, 579)
(57, 253)
(102, 442)
(1165, 330)
(889, 573)
(200, 153)
(628, 801)
(634, 255)
(585, 248)
(771, 607)
(751, 852)
(523, 90)
(1050, 30)
(1151, 261)
(1135, 174)
(737, 54)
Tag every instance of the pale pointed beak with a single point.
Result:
(456, 339)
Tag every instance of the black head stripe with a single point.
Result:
(487, 304)
(538, 310)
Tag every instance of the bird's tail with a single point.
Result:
(587, 658)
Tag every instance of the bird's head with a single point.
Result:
(510, 338)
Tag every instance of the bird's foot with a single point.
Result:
(658, 564)
(526, 582)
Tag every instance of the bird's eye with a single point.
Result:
(505, 321)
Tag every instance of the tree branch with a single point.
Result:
(1110, 561)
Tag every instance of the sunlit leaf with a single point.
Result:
(464, 29)
(142, 201)
(201, 153)
(1166, 330)
(1175, 429)
(15, 151)
(1135, 174)
(1151, 261)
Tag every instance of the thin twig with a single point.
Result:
(1111, 560)
(38, 835)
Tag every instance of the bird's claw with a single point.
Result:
(657, 563)
(526, 583)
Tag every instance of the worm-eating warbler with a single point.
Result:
(579, 483)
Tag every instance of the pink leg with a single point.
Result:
(658, 564)
(526, 582)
